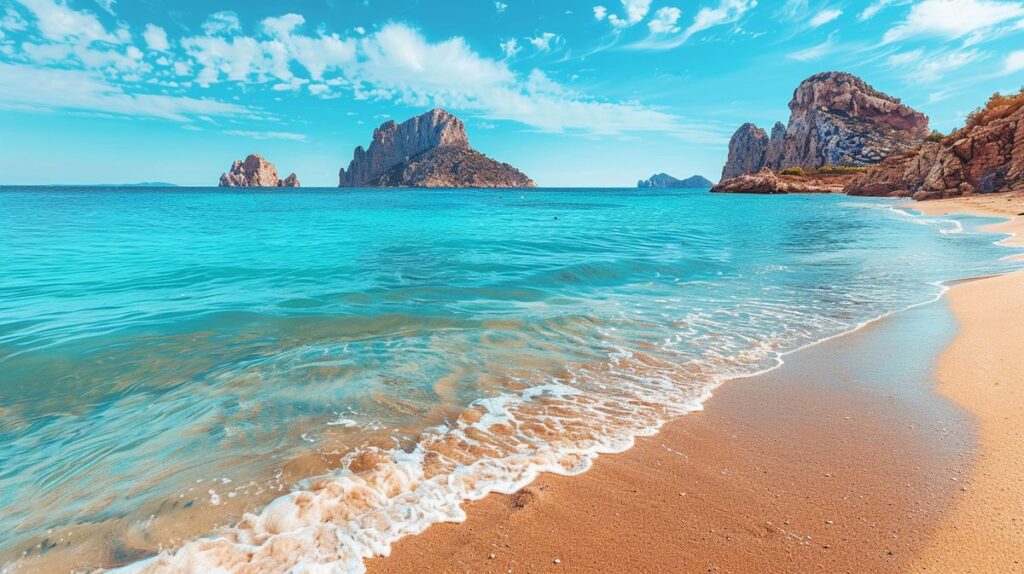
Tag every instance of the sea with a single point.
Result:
(196, 379)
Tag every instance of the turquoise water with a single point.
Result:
(174, 361)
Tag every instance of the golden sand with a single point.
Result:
(983, 371)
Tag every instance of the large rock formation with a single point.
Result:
(666, 180)
(767, 181)
(985, 156)
(255, 171)
(747, 150)
(430, 150)
(836, 119)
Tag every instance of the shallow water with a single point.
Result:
(171, 361)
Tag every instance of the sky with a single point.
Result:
(576, 94)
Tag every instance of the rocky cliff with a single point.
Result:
(255, 171)
(985, 156)
(836, 119)
(666, 180)
(430, 150)
(767, 181)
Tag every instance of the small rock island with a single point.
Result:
(429, 150)
(255, 171)
(665, 180)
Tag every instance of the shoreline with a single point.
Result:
(520, 532)
(981, 372)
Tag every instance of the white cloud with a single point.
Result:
(953, 19)
(510, 47)
(223, 22)
(316, 54)
(635, 11)
(664, 20)
(59, 23)
(600, 13)
(543, 42)
(156, 38)
(815, 52)
(727, 12)
(256, 135)
(399, 64)
(873, 9)
(918, 66)
(245, 58)
(12, 20)
(1014, 62)
(824, 17)
(107, 5)
(500, 6)
(47, 89)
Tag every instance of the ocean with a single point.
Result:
(192, 378)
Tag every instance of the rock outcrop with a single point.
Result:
(767, 181)
(985, 156)
(836, 119)
(667, 181)
(747, 150)
(255, 171)
(430, 150)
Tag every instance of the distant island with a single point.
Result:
(429, 150)
(255, 171)
(666, 180)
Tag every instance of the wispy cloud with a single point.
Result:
(824, 17)
(289, 136)
(726, 12)
(1014, 62)
(918, 66)
(875, 7)
(953, 19)
(45, 89)
(815, 52)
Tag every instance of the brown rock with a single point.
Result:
(255, 171)
(985, 156)
(747, 149)
(767, 181)
(836, 119)
(430, 150)
(291, 181)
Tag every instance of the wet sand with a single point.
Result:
(842, 460)
(845, 459)
(983, 371)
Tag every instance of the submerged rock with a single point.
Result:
(255, 171)
(667, 181)
(836, 119)
(429, 150)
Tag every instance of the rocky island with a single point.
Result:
(429, 150)
(667, 181)
(984, 156)
(836, 119)
(255, 171)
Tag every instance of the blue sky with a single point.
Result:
(597, 93)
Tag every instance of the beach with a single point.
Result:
(820, 465)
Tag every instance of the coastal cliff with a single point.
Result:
(768, 182)
(836, 119)
(429, 150)
(665, 180)
(255, 171)
(985, 156)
